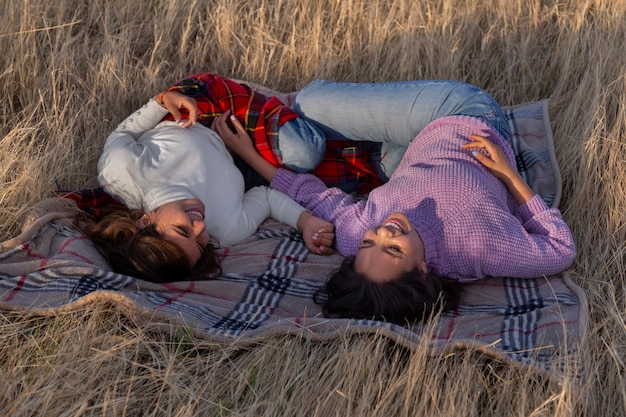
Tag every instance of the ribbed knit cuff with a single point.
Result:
(282, 180)
(531, 208)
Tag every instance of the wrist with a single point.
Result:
(520, 190)
(304, 216)
(159, 98)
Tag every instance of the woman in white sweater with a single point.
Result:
(186, 194)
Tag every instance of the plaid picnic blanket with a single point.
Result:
(267, 289)
(269, 280)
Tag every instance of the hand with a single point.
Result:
(498, 164)
(238, 141)
(318, 234)
(174, 101)
(493, 159)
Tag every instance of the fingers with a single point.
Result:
(175, 113)
(186, 123)
(324, 250)
(490, 156)
(482, 148)
(481, 139)
(174, 102)
(479, 142)
(323, 238)
(219, 124)
(193, 112)
(238, 126)
(189, 104)
(320, 249)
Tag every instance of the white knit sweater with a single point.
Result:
(147, 163)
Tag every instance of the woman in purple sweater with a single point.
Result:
(454, 207)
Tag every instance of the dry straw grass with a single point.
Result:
(70, 70)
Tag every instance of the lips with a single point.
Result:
(196, 213)
(395, 224)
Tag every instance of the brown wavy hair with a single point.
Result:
(412, 297)
(145, 253)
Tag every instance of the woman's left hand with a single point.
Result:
(494, 159)
(497, 163)
(238, 141)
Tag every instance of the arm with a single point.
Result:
(137, 123)
(149, 115)
(317, 233)
(121, 144)
(542, 243)
(121, 150)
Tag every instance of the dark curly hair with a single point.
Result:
(145, 253)
(412, 297)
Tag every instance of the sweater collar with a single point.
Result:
(163, 194)
(431, 238)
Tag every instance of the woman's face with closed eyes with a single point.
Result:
(181, 222)
(391, 249)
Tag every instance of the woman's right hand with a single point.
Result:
(174, 101)
(317, 233)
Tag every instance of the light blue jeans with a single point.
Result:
(393, 112)
(302, 144)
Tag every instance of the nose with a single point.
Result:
(198, 226)
(386, 231)
(199, 229)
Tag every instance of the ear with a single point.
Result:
(423, 268)
(143, 221)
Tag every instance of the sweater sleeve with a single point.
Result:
(135, 125)
(258, 204)
(330, 204)
(497, 244)
(121, 148)
(283, 208)
(255, 208)
(549, 233)
(312, 193)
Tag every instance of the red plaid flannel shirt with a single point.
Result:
(345, 164)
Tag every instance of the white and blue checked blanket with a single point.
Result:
(269, 281)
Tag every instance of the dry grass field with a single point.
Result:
(70, 70)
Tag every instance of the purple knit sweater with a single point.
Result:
(468, 220)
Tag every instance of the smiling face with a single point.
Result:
(181, 222)
(390, 249)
